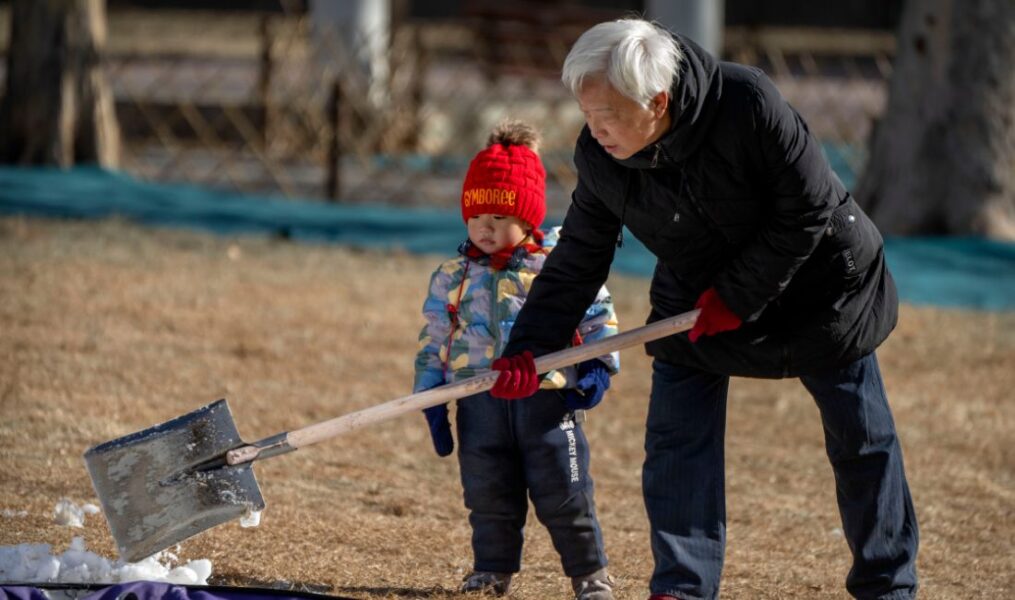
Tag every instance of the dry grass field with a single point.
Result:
(107, 328)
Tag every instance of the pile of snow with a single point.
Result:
(35, 563)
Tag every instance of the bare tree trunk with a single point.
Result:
(58, 108)
(942, 158)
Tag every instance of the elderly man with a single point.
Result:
(708, 166)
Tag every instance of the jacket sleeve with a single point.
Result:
(599, 322)
(433, 338)
(571, 276)
(803, 192)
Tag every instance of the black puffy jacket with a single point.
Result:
(736, 195)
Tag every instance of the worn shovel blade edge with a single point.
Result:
(144, 435)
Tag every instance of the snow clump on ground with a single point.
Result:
(36, 563)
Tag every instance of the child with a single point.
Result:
(508, 448)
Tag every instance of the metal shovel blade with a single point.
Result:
(166, 483)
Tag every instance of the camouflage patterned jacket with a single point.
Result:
(490, 301)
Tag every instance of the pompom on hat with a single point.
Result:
(507, 177)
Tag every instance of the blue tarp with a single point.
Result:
(955, 272)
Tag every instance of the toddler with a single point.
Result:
(534, 447)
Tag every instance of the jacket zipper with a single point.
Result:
(494, 321)
(623, 208)
(655, 155)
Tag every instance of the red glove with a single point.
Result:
(714, 316)
(518, 377)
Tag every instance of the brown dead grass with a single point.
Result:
(107, 328)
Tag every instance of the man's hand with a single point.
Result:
(518, 377)
(440, 429)
(714, 317)
(593, 381)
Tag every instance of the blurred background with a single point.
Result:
(383, 102)
(367, 100)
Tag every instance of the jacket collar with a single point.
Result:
(693, 102)
(508, 258)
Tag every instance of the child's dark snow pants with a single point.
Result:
(509, 447)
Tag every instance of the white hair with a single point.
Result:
(638, 58)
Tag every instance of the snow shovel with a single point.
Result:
(164, 484)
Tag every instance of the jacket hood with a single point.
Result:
(693, 103)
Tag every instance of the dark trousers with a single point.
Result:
(683, 479)
(510, 448)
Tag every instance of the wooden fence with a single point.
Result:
(270, 104)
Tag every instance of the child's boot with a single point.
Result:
(597, 585)
(487, 582)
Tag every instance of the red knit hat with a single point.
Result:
(507, 178)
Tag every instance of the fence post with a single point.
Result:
(416, 86)
(700, 20)
(264, 78)
(333, 183)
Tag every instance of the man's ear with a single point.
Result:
(660, 103)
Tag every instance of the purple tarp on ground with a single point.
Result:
(148, 590)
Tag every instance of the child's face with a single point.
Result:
(490, 232)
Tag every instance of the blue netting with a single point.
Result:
(956, 272)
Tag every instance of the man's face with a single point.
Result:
(621, 125)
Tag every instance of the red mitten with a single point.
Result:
(518, 377)
(714, 317)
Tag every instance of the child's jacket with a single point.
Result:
(490, 301)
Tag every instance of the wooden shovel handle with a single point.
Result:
(324, 430)
(481, 383)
